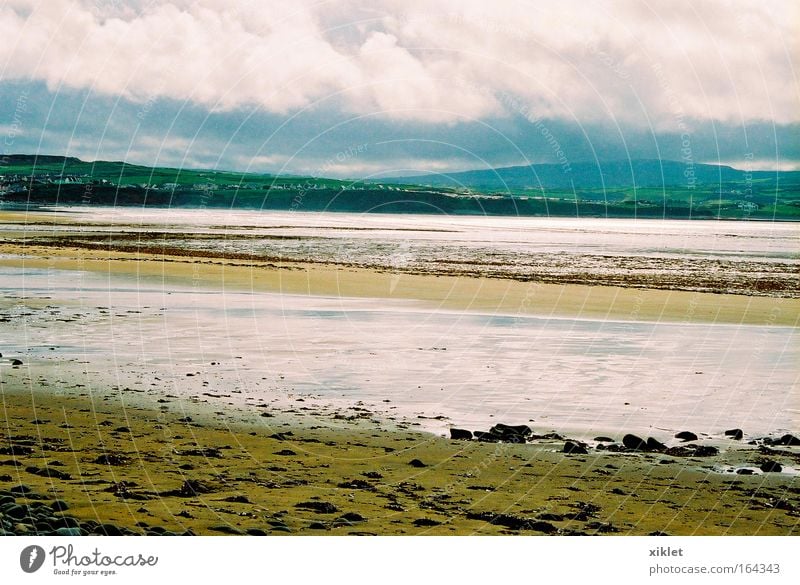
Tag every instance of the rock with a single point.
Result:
(20, 490)
(425, 522)
(320, 507)
(65, 522)
(59, 506)
(460, 434)
(654, 445)
(317, 526)
(226, 529)
(191, 488)
(686, 436)
(108, 530)
(68, 532)
(513, 522)
(16, 511)
(111, 459)
(285, 453)
(255, 532)
(16, 362)
(351, 517)
(604, 439)
(372, 475)
(417, 463)
(771, 467)
(16, 450)
(47, 472)
(789, 440)
(735, 434)
(706, 451)
(692, 450)
(574, 448)
(744, 471)
(511, 433)
(634, 443)
(486, 437)
(357, 484)
(6, 500)
(237, 499)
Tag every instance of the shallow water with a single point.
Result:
(404, 359)
(714, 256)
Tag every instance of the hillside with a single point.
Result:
(608, 174)
(631, 189)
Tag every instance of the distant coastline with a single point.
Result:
(646, 189)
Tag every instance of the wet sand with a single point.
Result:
(187, 468)
(446, 292)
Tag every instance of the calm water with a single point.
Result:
(580, 376)
(713, 256)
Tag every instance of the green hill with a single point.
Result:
(715, 192)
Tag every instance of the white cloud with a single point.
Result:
(624, 61)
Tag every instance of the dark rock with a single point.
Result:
(64, 522)
(654, 445)
(372, 475)
(256, 532)
(744, 471)
(425, 522)
(59, 506)
(318, 526)
(16, 511)
(6, 500)
(191, 488)
(417, 463)
(351, 517)
(513, 522)
(486, 437)
(16, 450)
(771, 467)
(692, 450)
(789, 440)
(357, 484)
(686, 436)
(68, 532)
(460, 434)
(20, 490)
(320, 507)
(207, 452)
(16, 362)
(604, 439)
(47, 472)
(602, 527)
(735, 434)
(634, 443)
(108, 530)
(226, 529)
(574, 448)
(237, 500)
(285, 453)
(111, 459)
(511, 433)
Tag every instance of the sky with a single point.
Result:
(400, 87)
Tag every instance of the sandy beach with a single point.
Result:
(127, 457)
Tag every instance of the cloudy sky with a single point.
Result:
(345, 88)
